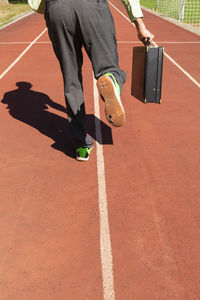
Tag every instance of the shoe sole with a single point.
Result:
(79, 158)
(82, 159)
(114, 110)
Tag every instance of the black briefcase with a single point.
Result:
(147, 73)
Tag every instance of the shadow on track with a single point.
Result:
(31, 107)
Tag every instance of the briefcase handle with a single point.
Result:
(147, 43)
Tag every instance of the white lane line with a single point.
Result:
(160, 42)
(169, 57)
(22, 54)
(180, 68)
(119, 42)
(119, 11)
(18, 19)
(105, 242)
(174, 43)
(16, 43)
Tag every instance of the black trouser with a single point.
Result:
(71, 25)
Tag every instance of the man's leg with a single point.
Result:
(99, 39)
(65, 35)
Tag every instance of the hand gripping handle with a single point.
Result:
(146, 43)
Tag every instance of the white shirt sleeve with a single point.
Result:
(133, 9)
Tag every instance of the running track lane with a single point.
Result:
(154, 211)
(49, 202)
(152, 191)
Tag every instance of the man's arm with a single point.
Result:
(143, 33)
(135, 14)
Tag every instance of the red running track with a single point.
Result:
(50, 229)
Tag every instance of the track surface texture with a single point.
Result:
(53, 236)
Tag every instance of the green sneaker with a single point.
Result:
(110, 91)
(83, 153)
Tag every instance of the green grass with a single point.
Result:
(8, 12)
(148, 3)
(192, 12)
(172, 9)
